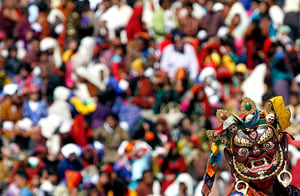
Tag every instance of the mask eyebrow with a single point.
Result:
(267, 135)
(239, 141)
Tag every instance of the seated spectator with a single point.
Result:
(189, 24)
(104, 99)
(143, 92)
(104, 185)
(163, 19)
(171, 165)
(71, 153)
(10, 14)
(26, 78)
(34, 108)
(111, 136)
(165, 93)
(49, 185)
(11, 107)
(162, 130)
(12, 63)
(148, 185)
(179, 55)
(197, 106)
(7, 164)
(19, 185)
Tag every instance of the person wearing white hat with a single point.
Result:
(71, 153)
(10, 108)
(238, 15)
(51, 46)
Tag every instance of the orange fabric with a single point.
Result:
(6, 111)
(79, 133)
(42, 20)
(73, 179)
(66, 11)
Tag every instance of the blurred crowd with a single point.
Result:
(114, 97)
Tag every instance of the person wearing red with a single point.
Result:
(172, 165)
(9, 15)
(135, 24)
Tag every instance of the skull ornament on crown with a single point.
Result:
(256, 148)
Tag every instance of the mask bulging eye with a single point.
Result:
(243, 151)
(269, 145)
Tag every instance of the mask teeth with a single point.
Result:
(279, 166)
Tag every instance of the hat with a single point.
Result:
(123, 84)
(218, 7)
(137, 65)
(202, 34)
(149, 72)
(206, 73)
(215, 57)
(25, 124)
(223, 72)
(10, 89)
(48, 43)
(33, 161)
(7, 125)
(222, 32)
(241, 68)
(34, 89)
(98, 146)
(69, 149)
(61, 93)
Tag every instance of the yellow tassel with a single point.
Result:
(214, 148)
(283, 114)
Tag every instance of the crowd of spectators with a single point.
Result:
(114, 97)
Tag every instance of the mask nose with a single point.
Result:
(256, 150)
